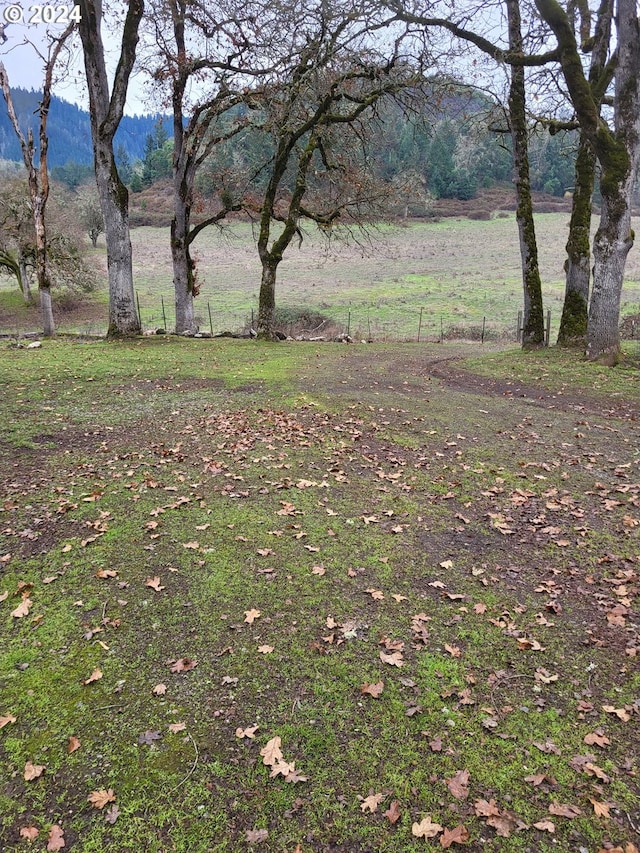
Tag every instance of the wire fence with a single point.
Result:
(357, 323)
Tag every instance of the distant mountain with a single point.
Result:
(69, 130)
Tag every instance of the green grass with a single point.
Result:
(118, 455)
(432, 277)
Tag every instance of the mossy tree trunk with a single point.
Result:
(106, 109)
(573, 324)
(533, 320)
(618, 152)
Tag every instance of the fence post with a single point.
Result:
(138, 305)
(210, 320)
(441, 331)
(519, 327)
(369, 325)
(164, 316)
(349, 323)
(484, 320)
(420, 324)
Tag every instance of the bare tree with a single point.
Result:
(106, 109)
(37, 174)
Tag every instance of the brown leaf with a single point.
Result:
(251, 615)
(99, 799)
(459, 835)
(22, 609)
(372, 802)
(486, 809)
(621, 713)
(249, 732)
(564, 810)
(184, 665)
(436, 744)
(454, 651)
(480, 608)
(376, 594)
(271, 753)
(106, 573)
(159, 689)
(373, 689)
(96, 675)
(393, 813)
(174, 728)
(265, 650)
(545, 825)
(597, 739)
(112, 814)
(154, 583)
(33, 771)
(256, 836)
(458, 784)
(426, 829)
(394, 659)
(6, 719)
(318, 570)
(56, 839)
(600, 809)
(74, 744)
(29, 832)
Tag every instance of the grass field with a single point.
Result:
(328, 598)
(457, 272)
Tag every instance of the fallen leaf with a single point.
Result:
(99, 799)
(318, 570)
(96, 675)
(184, 665)
(6, 719)
(426, 829)
(457, 785)
(33, 771)
(454, 651)
(564, 810)
(458, 835)
(74, 744)
(394, 659)
(55, 839)
(480, 608)
(106, 573)
(265, 650)
(600, 809)
(621, 713)
(256, 836)
(149, 737)
(271, 752)
(22, 609)
(249, 732)
(251, 615)
(597, 739)
(191, 545)
(154, 583)
(393, 813)
(29, 832)
(112, 814)
(372, 802)
(545, 825)
(486, 809)
(372, 689)
(160, 689)
(174, 728)
(376, 594)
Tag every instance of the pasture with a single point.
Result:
(456, 271)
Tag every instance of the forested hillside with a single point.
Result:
(69, 131)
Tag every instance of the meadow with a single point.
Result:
(440, 277)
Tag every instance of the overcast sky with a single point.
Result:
(25, 67)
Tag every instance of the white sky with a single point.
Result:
(25, 67)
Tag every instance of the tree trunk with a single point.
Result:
(106, 111)
(48, 324)
(267, 301)
(533, 322)
(183, 278)
(573, 324)
(611, 246)
(114, 200)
